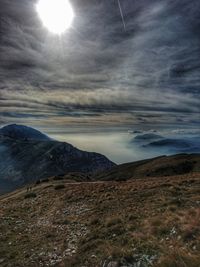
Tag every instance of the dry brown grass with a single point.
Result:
(159, 217)
(178, 258)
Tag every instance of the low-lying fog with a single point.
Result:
(121, 146)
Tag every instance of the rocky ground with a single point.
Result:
(148, 222)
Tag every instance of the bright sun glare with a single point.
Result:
(56, 15)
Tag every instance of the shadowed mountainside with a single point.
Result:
(27, 155)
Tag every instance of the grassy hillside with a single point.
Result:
(160, 166)
(151, 222)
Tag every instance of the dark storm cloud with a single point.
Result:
(97, 71)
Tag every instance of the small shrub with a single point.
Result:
(172, 208)
(30, 195)
(89, 244)
(159, 228)
(44, 180)
(59, 187)
(132, 217)
(157, 222)
(62, 222)
(65, 222)
(190, 233)
(94, 221)
(50, 235)
(58, 178)
(176, 201)
(117, 229)
(179, 259)
(113, 221)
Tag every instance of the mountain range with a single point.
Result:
(27, 156)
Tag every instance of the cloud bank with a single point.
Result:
(97, 73)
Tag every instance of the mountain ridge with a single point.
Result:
(154, 167)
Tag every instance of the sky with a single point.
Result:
(99, 75)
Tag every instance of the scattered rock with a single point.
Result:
(93, 256)
(2, 260)
(173, 231)
(179, 237)
(113, 264)
(137, 260)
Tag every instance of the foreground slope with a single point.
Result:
(146, 222)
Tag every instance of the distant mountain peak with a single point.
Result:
(22, 132)
(148, 136)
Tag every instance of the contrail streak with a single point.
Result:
(122, 15)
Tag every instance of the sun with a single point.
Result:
(56, 15)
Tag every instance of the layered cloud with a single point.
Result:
(97, 73)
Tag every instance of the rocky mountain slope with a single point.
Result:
(150, 222)
(27, 155)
